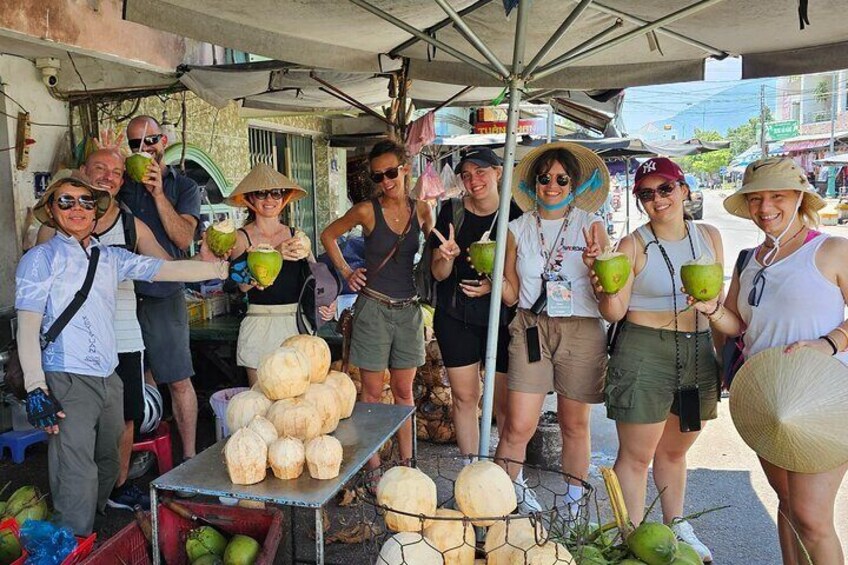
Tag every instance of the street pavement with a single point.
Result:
(722, 469)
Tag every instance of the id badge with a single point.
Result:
(560, 303)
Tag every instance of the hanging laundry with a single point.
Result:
(421, 132)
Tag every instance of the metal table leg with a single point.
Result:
(319, 536)
(414, 436)
(154, 522)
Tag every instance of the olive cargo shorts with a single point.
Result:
(386, 337)
(642, 381)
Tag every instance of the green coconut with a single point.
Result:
(613, 270)
(242, 550)
(26, 503)
(482, 256)
(687, 552)
(203, 541)
(10, 547)
(265, 264)
(630, 561)
(221, 237)
(208, 559)
(702, 279)
(137, 164)
(590, 555)
(653, 543)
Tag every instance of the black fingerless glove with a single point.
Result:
(42, 409)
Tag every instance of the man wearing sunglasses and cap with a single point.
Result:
(67, 344)
(169, 203)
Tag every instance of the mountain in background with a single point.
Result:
(690, 106)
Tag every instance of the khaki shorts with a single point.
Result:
(263, 330)
(574, 357)
(642, 381)
(386, 337)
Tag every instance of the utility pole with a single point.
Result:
(763, 144)
(831, 173)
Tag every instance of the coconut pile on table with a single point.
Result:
(284, 422)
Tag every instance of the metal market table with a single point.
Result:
(361, 436)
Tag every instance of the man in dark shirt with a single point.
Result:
(169, 203)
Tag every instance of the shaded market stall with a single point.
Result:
(556, 44)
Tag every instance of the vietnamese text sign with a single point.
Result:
(778, 131)
(529, 126)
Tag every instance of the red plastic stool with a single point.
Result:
(159, 444)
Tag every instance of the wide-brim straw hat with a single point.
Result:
(772, 174)
(63, 176)
(791, 409)
(264, 177)
(590, 190)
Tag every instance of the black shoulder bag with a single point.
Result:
(731, 352)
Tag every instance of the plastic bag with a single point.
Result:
(46, 543)
(429, 185)
(450, 180)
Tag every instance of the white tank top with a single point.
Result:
(797, 301)
(652, 286)
(531, 263)
(127, 329)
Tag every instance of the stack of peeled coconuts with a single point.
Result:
(481, 490)
(285, 420)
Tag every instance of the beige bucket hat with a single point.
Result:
(772, 174)
(264, 177)
(104, 199)
(791, 409)
(591, 189)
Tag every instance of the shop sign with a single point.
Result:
(778, 131)
(528, 126)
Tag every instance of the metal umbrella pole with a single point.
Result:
(516, 84)
(627, 195)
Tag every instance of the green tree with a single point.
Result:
(710, 162)
(744, 136)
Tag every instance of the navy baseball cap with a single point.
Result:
(480, 156)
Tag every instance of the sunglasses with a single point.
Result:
(149, 140)
(544, 179)
(275, 193)
(759, 285)
(66, 202)
(649, 194)
(390, 174)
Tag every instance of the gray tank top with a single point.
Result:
(652, 286)
(396, 278)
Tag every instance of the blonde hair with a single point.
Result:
(809, 216)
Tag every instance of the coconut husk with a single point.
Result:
(441, 395)
(440, 431)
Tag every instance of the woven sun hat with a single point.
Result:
(264, 177)
(590, 189)
(791, 409)
(772, 174)
(77, 178)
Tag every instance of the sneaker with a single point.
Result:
(140, 464)
(685, 533)
(127, 497)
(527, 501)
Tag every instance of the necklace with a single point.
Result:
(797, 233)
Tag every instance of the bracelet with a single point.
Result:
(830, 342)
(714, 312)
(841, 330)
(720, 316)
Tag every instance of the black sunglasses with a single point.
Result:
(544, 179)
(275, 193)
(649, 194)
(149, 140)
(66, 202)
(390, 174)
(757, 288)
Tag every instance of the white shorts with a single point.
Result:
(263, 330)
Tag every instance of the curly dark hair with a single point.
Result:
(562, 156)
(390, 146)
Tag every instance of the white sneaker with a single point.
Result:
(527, 501)
(684, 532)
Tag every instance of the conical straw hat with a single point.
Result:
(264, 177)
(791, 409)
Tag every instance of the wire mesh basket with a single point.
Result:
(545, 533)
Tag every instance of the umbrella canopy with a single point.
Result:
(840, 160)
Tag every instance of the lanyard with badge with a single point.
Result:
(555, 297)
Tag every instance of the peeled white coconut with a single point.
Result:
(286, 457)
(504, 536)
(246, 455)
(264, 428)
(408, 548)
(295, 417)
(326, 400)
(245, 406)
(483, 490)
(317, 353)
(305, 243)
(550, 553)
(324, 457)
(407, 490)
(346, 390)
(454, 538)
(283, 373)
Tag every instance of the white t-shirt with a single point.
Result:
(531, 261)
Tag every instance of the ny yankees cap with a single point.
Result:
(660, 166)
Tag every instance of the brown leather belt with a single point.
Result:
(388, 301)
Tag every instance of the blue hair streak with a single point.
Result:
(594, 183)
